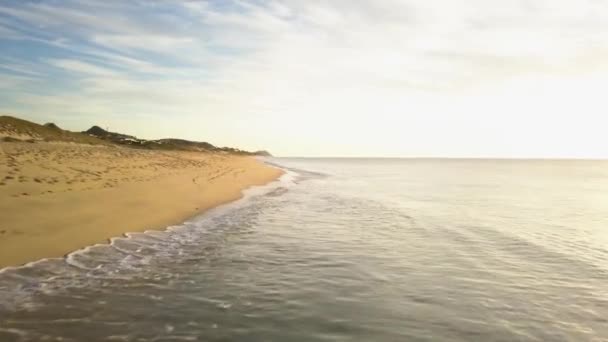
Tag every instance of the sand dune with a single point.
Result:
(58, 197)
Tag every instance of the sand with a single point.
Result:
(58, 197)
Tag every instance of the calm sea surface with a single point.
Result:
(347, 250)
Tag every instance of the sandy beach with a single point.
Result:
(59, 197)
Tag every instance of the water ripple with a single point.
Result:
(390, 251)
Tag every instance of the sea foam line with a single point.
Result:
(288, 178)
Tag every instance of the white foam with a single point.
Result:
(286, 180)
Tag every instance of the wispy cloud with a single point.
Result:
(80, 67)
(230, 66)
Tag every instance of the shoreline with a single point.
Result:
(141, 190)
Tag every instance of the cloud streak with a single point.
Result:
(354, 67)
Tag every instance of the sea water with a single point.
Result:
(346, 250)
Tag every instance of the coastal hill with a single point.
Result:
(15, 129)
(103, 134)
(161, 144)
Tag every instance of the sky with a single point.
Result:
(383, 78)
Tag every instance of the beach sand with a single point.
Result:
(58, 197)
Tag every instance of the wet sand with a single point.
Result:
(59, 197)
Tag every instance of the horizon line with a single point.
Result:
(453, 158)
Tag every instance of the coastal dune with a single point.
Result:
(56, 197)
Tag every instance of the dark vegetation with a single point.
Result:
(15, 129)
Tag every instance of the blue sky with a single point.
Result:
(375, 78)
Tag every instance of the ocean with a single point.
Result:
(346, 250)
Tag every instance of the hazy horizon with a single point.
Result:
(456, 79)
